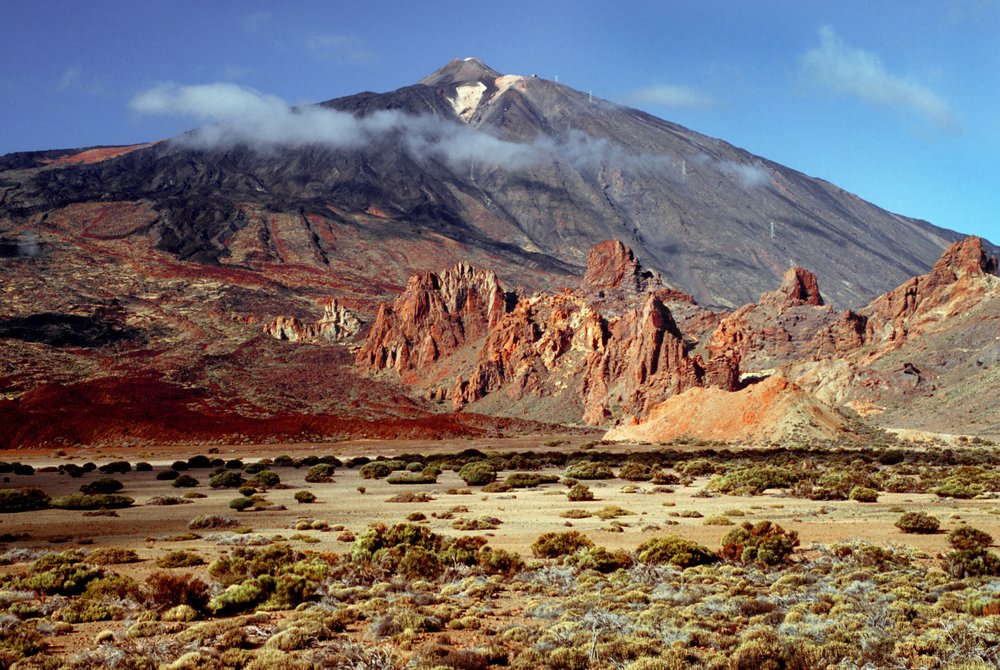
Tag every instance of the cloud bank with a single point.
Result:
(236, 115)
(846, 70)
(675, 97)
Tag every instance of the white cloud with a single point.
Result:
(70, 77)
(846, 70)
(340, 49)
(237, 115)
(677, 97)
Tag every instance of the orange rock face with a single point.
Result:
(953, 285)
(613, 343)
(433, 317)
(337, 323)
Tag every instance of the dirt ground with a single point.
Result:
(525, 513)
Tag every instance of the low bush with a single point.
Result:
(958, 487)
(304, 497)
(116, 467)
(184, 482)
(321, 473)
(918, 522)
(555, 545)
(753, 480)
(410, 497)
(167, 475)
(589, 470)
(579, 493)
(478, 473)
(675, 551)
(227, 479)
(112, 556)
(267, 478)
(241, 504)
(764, 542)
(479, 523)
(23, 500)
(179, 559)
(102, 485)
(406, 477)
(967, 538)
(206, 521)
(863, 494)
(528, 480)
(96, 501)
(636, 472)
(600, 559)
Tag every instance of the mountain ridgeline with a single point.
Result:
(524, 172)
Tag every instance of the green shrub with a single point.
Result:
(116, 467)
(484, 522)
(958, 487)
(23, 500)
(589, 470)
(184, 482)
(304, 497)
(972, 563)
(102, 485)
(406, 477)
(375, 470)
(478, 473)
(179, 559)
(697, 467)
(112, 556)
(528, 480)
(321, 473)
(267, 478)
(763, 542)
(579, 493)
(167, 475)
(863, 494)
(241, 597)
(97, 501)
(554, 545)
(241, 504)
(600, 559)
(753, 480)
(675, 551)
(918, 522)
(967, 538)
(227, 479)
(636, 472)
(60, 574)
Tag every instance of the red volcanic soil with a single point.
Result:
(142, 409)
(99, 154)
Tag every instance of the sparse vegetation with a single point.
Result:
(918, 522)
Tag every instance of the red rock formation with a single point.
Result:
(953, 285)
(432, 318)
(337, 323)
(799, 287)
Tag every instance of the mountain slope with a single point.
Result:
(529, 172)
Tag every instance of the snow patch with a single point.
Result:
(467, 99)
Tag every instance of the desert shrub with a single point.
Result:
(266, 478)
(112, 556)
(237, 464)
(167, 475)
(589, 470)
(247, 490)
(958, 487)
(697, 467)
(904, 484)
(579, 493)
(753, 480)
(612, 512)
(499, 561)
(863, 494)
(179, 466)
(241, 597)
(407, 477)
(967, 538)
(241, 504)
(410, 497)
(575, 514)
(478, 473)
(204, 521)
(179, 559)
(199, 461)
(304, 497)
(227, 479)
(675, 551)
(102, 485)
(116, 467)
(918, 522)
(891, 456)
(375, 470)
(59, 574)
(718, 520)
(636, 472)
(96, 501)
(143, 466)
(22, 469)
(23, 500)
(479, 523)
(600, 559)
(527, 480)
(497, 487)
(184, 482)
(321, 473)
(972, 563)
(763, 542)
(555, 545)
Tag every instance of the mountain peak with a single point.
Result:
(461, 71)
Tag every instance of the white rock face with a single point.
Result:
(467, 99)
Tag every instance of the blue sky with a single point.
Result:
(896, 101)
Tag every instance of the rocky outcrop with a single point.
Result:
(787, 324)
(612, 265)
(337, 323)
(957, 282)
(434, 316)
